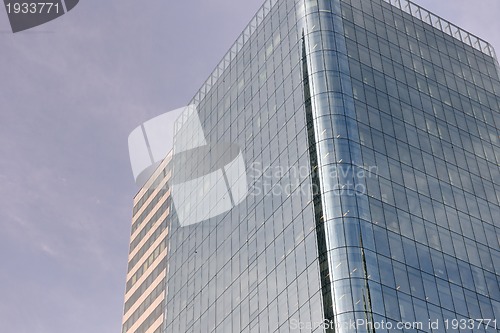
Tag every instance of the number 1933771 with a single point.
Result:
(33, 8)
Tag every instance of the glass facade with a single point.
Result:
(426, 113)
(370, 132)
(254, 268)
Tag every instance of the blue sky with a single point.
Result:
(70, 93)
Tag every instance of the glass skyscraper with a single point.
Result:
(370, 131)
